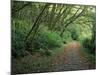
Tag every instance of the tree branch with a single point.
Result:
(35, 23)
(15, 11)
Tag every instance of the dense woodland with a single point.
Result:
(42, 28)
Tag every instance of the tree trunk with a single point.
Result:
(71, 20)
(35, 23)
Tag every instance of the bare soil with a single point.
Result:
(72, 59)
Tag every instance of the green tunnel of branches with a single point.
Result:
(45, 26)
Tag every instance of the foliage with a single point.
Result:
(18, 45)
(90, 45)
(41, 27)
(40, 30)
(66, 37)
(46, 41)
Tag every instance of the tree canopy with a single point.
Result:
(48, 25)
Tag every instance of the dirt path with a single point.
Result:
(72, 59)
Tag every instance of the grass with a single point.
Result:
(34, 64)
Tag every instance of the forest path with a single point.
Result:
(69, 59)
(72, 59)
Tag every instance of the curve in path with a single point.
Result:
(72, 59)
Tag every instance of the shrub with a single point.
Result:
(45, 52)
(74, 35)
(89, 44)
(66, 37)
(46, 41)
(18, 45)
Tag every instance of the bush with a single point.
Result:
(74, 35)
(66, 37)
(18, 45)
(45, 52)
(89, 44)
(46, 41)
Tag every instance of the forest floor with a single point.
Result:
(71, 58)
